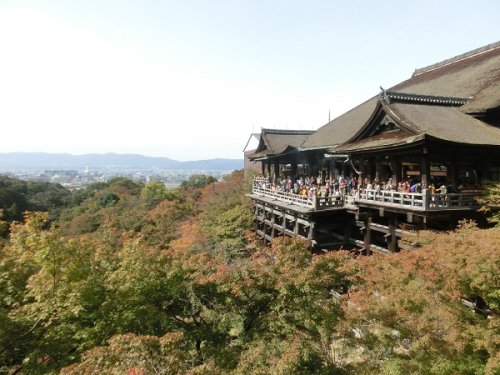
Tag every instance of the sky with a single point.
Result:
(192, 79)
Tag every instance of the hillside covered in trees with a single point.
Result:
(125, 278)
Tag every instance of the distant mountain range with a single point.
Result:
(40, 160)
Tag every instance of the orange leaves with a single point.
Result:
(135, 355)
(418, 294)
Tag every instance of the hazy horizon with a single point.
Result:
(114, 153)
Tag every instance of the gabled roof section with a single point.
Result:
(277, 141)
(383, 124)
(401, 122)
(474, 75)
(447, 123)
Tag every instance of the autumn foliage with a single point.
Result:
(140, 280)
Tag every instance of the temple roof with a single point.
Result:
(342, 128)
(474, 75)
(434, 101)
(276, 141)
(417, 121)
(380, 141)
(446, 123)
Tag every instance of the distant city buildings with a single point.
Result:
(74, 179)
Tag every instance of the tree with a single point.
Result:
(490, 202)
(156, 191)
(198, 181)
(226, 214)
(406, 312)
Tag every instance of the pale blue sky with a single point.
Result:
(192, 79)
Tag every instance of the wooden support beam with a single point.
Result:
(393, 240)
(396, 169)
(310, 234)
(347, 232)
(273, 218)
(367, 239)
(425, 169)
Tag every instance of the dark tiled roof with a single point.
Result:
(442, 122)
(342, 128)
(380, 142)
(276, 141)
(446, 123)
(423, 99)
(474, 76)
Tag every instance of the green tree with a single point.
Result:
(490, 202)
(156, 191)
(198, 181)
(226, 215)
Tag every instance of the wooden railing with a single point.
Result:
(317, 203)
(262, 187)
(290, 198)
(424, 201)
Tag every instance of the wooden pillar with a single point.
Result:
(296, 227)
(425, 170)
(276, 169)
(393, 242)
(256, 218)
(347, 233)
(371, 170)
(273, 221)
(453, 171)
(396, 170)
(268, 169)
(379, 170)
(368, 235)
(361, 175)
(366, 171)
(310, 235)
(331, 170)
(485, 170)
(283, 223)
(293, 169)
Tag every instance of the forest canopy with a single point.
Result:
(126, 278)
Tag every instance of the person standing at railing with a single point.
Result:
(303, 191)
(443, 190)
(342, 186)
(327, 189)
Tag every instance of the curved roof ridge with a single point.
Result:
(287, 131)
(427, 99)
(457, 58)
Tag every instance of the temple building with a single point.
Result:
(413, 156)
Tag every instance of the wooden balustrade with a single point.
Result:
(424, 201)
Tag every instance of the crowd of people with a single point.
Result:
(308, 186)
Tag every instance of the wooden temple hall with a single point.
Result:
(413, 156)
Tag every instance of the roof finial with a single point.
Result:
(383, 94)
